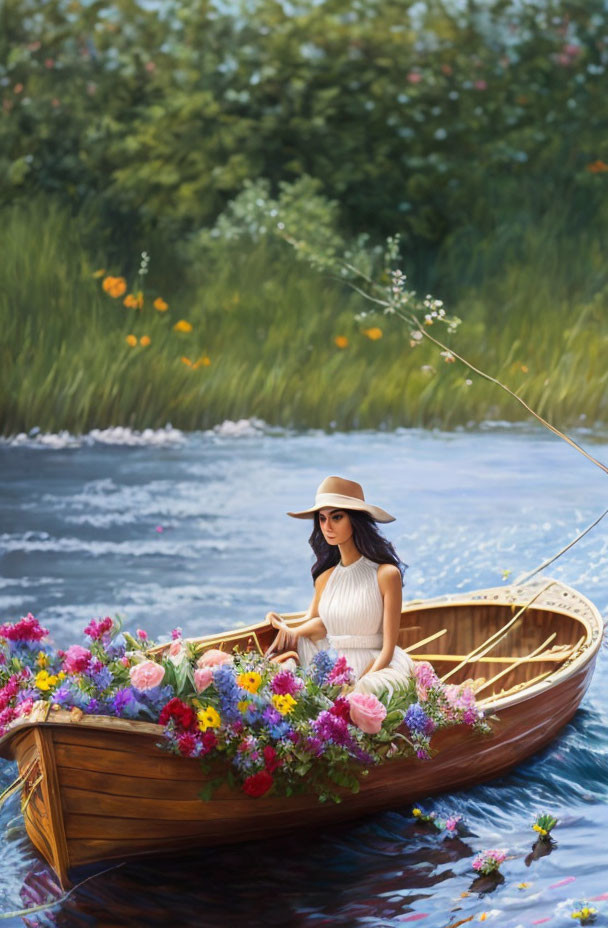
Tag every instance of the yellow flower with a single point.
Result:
(131, 301)
(131, 340)
(341, 341)
(145, 340)
(182, 326)
(416, 813)
(61, 675)
(208, 718)
(541, 831)
(523, 885)
(160, 305)
(99, 273)
(249, 681)
(374, 333)
(202, 362)
(186, 361)
(284, 704)
(45, 681)
(242, 705)
(43, 659)
(115, 286)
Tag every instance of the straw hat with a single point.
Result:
(342, 494)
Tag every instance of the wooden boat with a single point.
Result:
(99, 789)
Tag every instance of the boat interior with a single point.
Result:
(496, 648)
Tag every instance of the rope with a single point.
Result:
(523, 578)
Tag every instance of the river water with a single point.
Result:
(170, 529)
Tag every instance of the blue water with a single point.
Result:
(168, 529)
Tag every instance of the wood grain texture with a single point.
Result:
(108, 792)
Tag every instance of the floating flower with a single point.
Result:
(160, 305)
(208, 718)
(373, 334)
(114, 286)
(182, 326)
(543, 824)
(341, 341)
(146, 675)
(367, 712)
(487, 862)
(131, 340)
(585, 913)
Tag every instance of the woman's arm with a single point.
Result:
(313, 628)
(389, 581)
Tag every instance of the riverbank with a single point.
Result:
(256, 333)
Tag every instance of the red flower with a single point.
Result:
(257, 784)
(209, 740)
(341, 708)
(186, 744)
(270, 759)
(177, 710)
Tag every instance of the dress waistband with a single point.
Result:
(344, 642)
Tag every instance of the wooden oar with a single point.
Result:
(557, 656)
(522, 660)
(482, 649)
(419, 644)
(525, 684)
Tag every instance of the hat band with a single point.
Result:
(335, 499)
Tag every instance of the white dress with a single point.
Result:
(352, 610)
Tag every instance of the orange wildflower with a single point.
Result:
(115, 286)
(374, 333)
(160, 305)
(202, 362)
(182, 326)
(130, 301)
(131, 340)
(597, 167)
(341, 341)
(524, 368)
(145, 340)
(186, 361)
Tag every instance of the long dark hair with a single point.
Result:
(368, 541)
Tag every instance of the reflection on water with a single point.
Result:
(168, 529)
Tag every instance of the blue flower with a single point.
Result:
(321, 665)
(229, 692)
(418, 721)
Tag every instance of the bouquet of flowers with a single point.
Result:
(251, 722)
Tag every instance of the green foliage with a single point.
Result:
(420, 119)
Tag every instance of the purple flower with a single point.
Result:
(228, 691)
(418, 721)
(321, 666)
(332, 728)
(121, 700)
(176, 633)
(284, 683)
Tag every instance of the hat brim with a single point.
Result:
(378, 514)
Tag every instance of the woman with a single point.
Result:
(358, 578)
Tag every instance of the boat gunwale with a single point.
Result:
(46, 717)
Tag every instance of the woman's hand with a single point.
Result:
(286, 639)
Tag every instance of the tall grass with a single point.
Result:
(533, 303)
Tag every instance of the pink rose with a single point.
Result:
(367, 712)
(213, 658)
(177, 651)
(146, 675)
(76, 659)
(202, 678)
(142, 635)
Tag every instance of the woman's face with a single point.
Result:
(335, 525)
